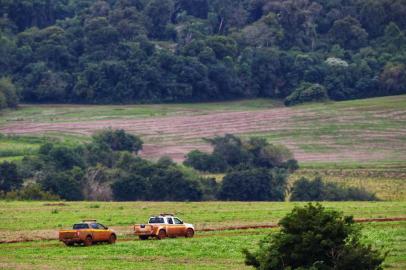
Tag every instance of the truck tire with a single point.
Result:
(143, 237)
(69, 244)
(189, 233)
(112, 239)
(88, 241)
(161, 234)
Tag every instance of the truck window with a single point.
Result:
(156, 220)
(102, 227)
(80, 226)
(177, 221)
(169, 220)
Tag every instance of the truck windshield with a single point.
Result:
(81, 226)
(156, 220)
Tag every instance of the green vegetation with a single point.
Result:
(108, 168)
(317, 190)
(208, 250)
(17, 147)
(37, 215)
(306, 92)
(312, 238)
(75, 113)
(8, 94)
(385, 183)
(231, 153)
(119, 51)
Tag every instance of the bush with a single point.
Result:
(30, 192)
(314, 238)
(119, 140)
(67, 185)
(306, 92)
(205, 162)
(157, 182)
(131, 188)
(8, 94)
(316, 190)
(253, 185)
(230, 152)
(9, 178)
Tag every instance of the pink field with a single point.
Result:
(348, 135)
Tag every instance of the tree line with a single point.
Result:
(133, 51)
(108, 168)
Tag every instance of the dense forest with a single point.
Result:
(130, 51)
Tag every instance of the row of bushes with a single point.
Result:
(317, 190)
(108, 168)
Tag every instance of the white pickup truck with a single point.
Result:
(162, 226)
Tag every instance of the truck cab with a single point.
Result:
(162, 226)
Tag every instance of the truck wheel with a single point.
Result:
(190, 233)
(112, 239)
(88, 241)
(161, 234)
(143, 237)
(69, 244)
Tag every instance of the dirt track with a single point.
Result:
(126, 232)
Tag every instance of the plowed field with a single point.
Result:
(361, 131)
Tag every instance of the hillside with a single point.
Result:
(137, 51)
(368, 132)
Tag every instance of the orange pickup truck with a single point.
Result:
(87, 233)
(162, 226)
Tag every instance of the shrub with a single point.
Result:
(253, 185)
(67, 185)
(154, 183)
(8, 94)
(316, 190)
(9, 178)
(230, 152)
(131, 188)
(314, 238)
(205, 162)
(31, 191)
(119, 140)
(306, 92)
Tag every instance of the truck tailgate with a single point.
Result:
(68, 234)
(143, 229)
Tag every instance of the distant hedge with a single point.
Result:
(317, 190)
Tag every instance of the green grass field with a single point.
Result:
(208, 250)
(41, 219)
(69, 113)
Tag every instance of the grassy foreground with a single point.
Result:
(49, 215)
(208, 250)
